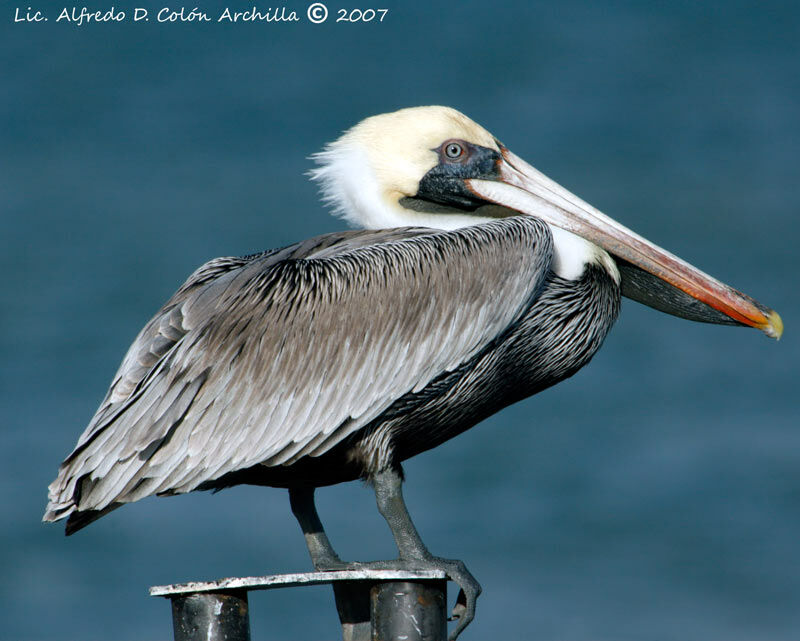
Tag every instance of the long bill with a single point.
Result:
(525, 189)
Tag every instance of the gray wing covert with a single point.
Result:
(271, 360)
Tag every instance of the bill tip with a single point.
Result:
(774, 325)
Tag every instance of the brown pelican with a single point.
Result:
(477, 282)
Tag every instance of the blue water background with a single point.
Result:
(654, 496)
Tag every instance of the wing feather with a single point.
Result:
(270, 358)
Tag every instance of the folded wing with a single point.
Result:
(270, 358)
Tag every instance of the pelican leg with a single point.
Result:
(413, 554)
(323, 556)
(388, 486)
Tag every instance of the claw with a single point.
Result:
(470, 590)
(464, 609)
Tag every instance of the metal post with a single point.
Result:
(373, 605)
(412, 611)
(352, 604)
(213, 616)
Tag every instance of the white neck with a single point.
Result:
(573, 253)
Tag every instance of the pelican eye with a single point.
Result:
(454, 150)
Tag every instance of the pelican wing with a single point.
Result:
(269, 358)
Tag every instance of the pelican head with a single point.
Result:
(434, 167)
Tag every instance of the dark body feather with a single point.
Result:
(331, 359)
(528, 358)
